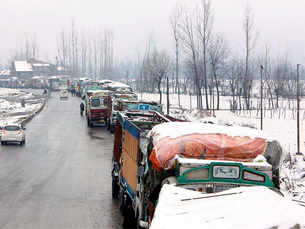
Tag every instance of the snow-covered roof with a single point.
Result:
(239, 208)
(118, 85)
(177, 129)
(41, 65)
(37, 77)
(105, 81)
(84, 79)
(23, 66)
(5, 73)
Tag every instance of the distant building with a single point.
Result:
(29, 68)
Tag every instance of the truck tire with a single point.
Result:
(89, 123)
(121, 202)
(129, 219)
(111, 129)
(138, 223)
(108, 124)
(115, 190)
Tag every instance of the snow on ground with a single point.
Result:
(238, 208)
(11, 110)
(280, 124)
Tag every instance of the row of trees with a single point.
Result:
(80, 52)
(203, 63)
(27, 49)
(86, 52)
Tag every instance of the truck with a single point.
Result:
(114, 102)
(127, 102)
(202, 157)
(130, 137)
(96, 106)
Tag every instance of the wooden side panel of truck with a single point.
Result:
(130, 151)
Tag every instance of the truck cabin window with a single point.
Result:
(95, 102)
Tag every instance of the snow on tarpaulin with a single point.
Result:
(245, 207)
(177, 129)
(206, 141)
(118, 85)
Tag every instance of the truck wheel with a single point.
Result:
(122, 202)
(138, 225)
(129, 219)
(89, 123)
(138, 222)
(115, 190)
(108, 124)
(112, 129)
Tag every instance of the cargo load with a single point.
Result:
(210, 142)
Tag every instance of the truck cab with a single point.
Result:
(96, 106)
(115, 101)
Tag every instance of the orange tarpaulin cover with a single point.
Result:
(206, 146)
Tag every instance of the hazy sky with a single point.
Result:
(281, 23)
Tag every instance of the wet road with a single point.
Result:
(61, 177)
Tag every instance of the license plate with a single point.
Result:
(225, 172)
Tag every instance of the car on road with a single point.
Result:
(64, 94)
(13, 133)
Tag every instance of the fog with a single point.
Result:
(280, 23)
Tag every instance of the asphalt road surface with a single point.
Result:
(61, 177)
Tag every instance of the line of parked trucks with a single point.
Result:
(153, 150)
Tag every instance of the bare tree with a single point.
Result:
(235, 74)
(158, 65)
(218, 53)
(250, 41)
(204, 26)
(187, 35)
(62, 50)
(174, 20)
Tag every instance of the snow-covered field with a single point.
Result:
(280, 124)
(11, 109)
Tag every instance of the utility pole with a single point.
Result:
(262, 69)
(167, 94)
(298, 110)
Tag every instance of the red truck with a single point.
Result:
(96, 106)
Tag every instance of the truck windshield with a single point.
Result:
(95, 102)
